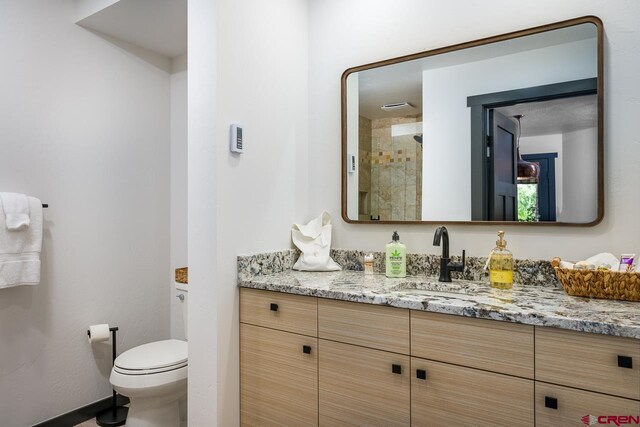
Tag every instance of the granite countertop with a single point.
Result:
(533, 304)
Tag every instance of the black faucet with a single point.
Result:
(446, 266)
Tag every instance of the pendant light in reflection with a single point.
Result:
(528, 172)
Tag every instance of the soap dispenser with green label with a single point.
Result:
(396, 259)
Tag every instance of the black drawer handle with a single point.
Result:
(274, 307)
(625, 362)
(550, 402)
(306, 349)
(421, 374)
(396, 369)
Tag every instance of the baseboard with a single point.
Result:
(83, 414)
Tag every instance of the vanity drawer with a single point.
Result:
(558, 406)
(491, 345)
(291, 313)
(373, 326)
(589, 361)
(449, 395)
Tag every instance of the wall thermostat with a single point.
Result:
(235, 139)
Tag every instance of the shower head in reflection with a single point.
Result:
(418, 138)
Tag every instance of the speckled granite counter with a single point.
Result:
(536, 304)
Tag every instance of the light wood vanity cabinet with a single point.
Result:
(373, 326)
(278, 359)
(580, 374)
(448, 395)
(363, 387)
(277, 310)
(589, 361)
(278, 378)
(502, 347)
(558, 406)
(364, 364)
(314, 361)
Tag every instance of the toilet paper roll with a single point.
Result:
(98, 333)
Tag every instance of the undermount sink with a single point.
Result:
(435, 286)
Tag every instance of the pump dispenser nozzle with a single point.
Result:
(501, 243)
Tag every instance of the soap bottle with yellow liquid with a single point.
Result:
(500, 265)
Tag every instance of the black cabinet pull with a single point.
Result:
(421, 374)
(396, 369)
(625, 362)
(306, 349)
(274, 307)
(550, 402)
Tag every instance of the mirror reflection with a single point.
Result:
(506, 131)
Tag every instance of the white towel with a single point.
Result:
(20, 250)
(16, 211)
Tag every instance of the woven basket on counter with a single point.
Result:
(598, 284)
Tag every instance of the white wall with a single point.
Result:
(248, 65)
(263, 190)
(178, 245)
(580, 184)
(549, 144)
(347, 33)
(447, 119)
(202, 212)
(239, 203)
(84, 126)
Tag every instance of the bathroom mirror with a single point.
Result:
(507, 129)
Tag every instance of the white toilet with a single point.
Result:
(154, 378)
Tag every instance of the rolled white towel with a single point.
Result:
(16, 211)
(565, 264)
(20, 250)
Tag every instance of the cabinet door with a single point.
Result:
(558, 406)
(449, 395)
(362, 387)
(278, 378)
(594, 362)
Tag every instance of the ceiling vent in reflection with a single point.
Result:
(398, 106)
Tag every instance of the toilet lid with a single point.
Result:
(155, 355)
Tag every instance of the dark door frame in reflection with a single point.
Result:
(481, 105)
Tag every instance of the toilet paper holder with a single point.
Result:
(116, 415)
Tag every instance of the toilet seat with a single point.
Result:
(153, 358)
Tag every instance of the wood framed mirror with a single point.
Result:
(503, 130)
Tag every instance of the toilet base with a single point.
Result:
(111, 418)
(145, 412)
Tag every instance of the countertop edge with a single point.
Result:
(578, 325)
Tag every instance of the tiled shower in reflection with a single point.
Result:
(390, 180)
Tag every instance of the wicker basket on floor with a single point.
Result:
(598, 284)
